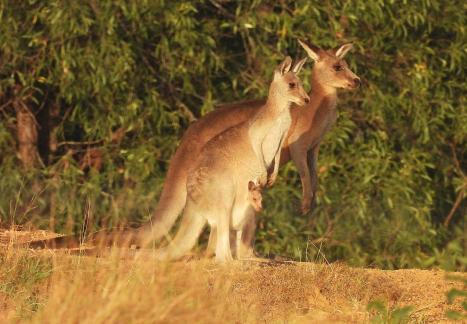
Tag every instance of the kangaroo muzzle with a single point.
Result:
(356, 83)
(353, 82)
(304, 99)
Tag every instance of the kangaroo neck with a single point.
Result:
(321, 89)
(322, 96)
(276, 105)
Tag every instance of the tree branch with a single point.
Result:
(460, 197)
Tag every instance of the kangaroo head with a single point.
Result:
(286, 83)
(254, 196)
(330, 69)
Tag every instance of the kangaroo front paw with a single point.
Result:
(306, 206)
(271, 181)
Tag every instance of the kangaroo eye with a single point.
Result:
(338, 67)
(292, 85)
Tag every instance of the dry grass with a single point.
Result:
(47, 287)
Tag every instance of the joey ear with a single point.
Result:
(342, 50)
(311, 50)
(285, 66)
(298, 66)
(251, 185)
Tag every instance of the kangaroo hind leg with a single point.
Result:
(223, 250)
(190, 228)
(211, 247)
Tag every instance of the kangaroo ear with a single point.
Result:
(285, 66)
(342, 51)
(311, 50)
(298, 66)
(251, 185)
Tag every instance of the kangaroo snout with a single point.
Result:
(305, 98)
(356, 82)
(353, 83)
(302, 101)
(258, 208)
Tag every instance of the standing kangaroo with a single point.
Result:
(309, 125)
(229, 161)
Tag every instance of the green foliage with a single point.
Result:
(384, 315)
(455, 294)
(114, 84)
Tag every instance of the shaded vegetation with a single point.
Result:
(95, 95)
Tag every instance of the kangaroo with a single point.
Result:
(228, 162)
(309, 125)
(330, 73)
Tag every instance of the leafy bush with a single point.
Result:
(384, 315)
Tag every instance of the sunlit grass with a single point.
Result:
(47, 287)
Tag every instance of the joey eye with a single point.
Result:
(338, 67)
(292, 85)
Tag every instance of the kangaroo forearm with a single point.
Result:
(276, 165)
(306, 185)
(277, 159)
(313, 181)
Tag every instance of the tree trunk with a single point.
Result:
(26, 131)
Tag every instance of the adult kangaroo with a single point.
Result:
(309, 124)
(230, 161)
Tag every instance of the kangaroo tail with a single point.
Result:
(171, 204)
(107, 238)
(61, 242)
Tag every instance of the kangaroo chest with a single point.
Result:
(309, 127)
(272, 139)
(321, 124)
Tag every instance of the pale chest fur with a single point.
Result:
(272, 139)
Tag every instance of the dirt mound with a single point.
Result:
(337, 292)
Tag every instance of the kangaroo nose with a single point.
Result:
(357, 82)
(307, 100)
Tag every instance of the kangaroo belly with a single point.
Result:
(239, 213)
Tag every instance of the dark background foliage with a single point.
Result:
(95, 96)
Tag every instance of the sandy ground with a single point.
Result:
(293, 292)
